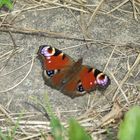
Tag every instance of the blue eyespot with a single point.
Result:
(50, 73)
(80, 88)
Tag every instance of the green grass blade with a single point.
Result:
(6, 3)
(130, 127)
(57, 129)
(77, 132)
(2, 136)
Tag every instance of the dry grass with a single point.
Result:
(96, 118)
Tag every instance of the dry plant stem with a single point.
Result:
(24, 114)
(125, 11)
(137, 72)
(88, 102)
(85, 31)
(136, 63)
(4, 44)
(117, 7)
(12, 40)
(44, 4)
(4, 18)
(66, 6)
(115, 17)
(119, 87)
(44, 9)
(31, 31)
(23, 122)
(9, 117)
(47, 33)
(133, 5)
(16, 118)
(12, 53)
(43, 33)
(27, 30)
(16, 69)
(137, 8)
(109, 58)
(17, 11)
(80, 26)
(94, 13)
(5, 54)
(4, 57)
(15, 16)
(134, 10)
(75, 3)
(32, 136)
(85, 7)
(75, 46)
(9, 102)
(32, 62)
(25, 9)
(108, 14)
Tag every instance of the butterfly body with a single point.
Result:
(72, 78)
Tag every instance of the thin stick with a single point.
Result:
(32, 136)
(137, 61)
(12, 53)
(44, 4)
(16, 69)
(9, 117)
(12, 40)
(119, 87)
(109, 58)
(134, 10)
(94, 13)
(45, 33)
(81, 28)
(117, 7)
(32, 62)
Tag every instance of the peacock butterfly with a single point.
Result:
(72, 78)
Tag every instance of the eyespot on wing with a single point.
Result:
(52, 58)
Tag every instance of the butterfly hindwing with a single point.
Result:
(84, 81)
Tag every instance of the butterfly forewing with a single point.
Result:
(53, 61)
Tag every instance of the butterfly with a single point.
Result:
(72, 78)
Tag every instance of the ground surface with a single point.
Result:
(113, 41)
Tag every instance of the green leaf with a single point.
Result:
(130, 127)
(6, 3)
(56, 129)
(77, 132)
(2, 136)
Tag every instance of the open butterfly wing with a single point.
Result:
(53, 62)
(85, 81)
